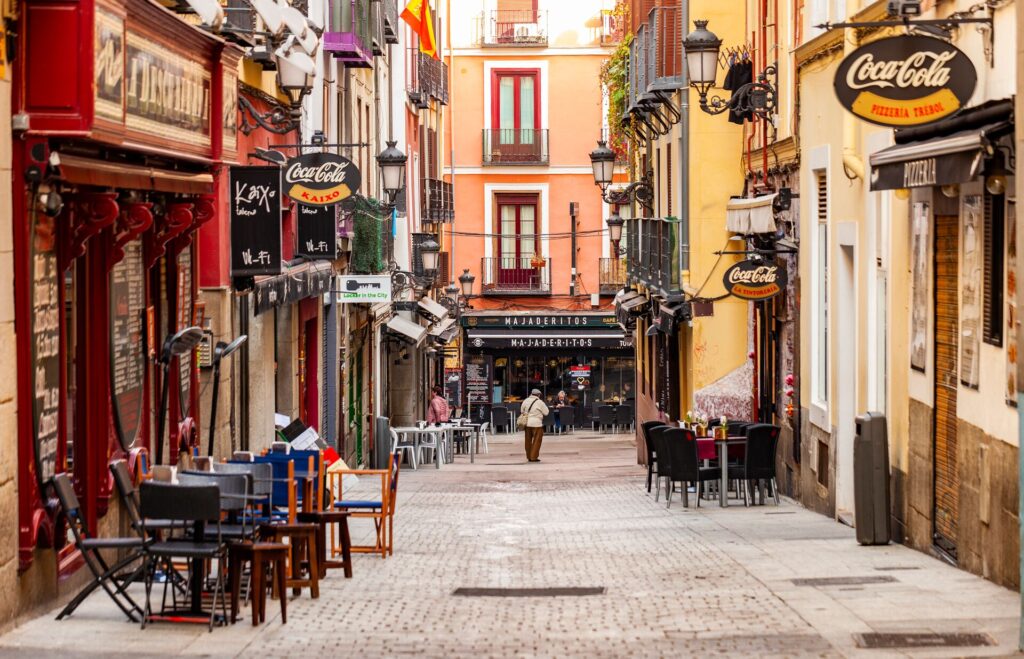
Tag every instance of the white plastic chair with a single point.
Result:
(429, 440)
(482, 439)
(407, 447)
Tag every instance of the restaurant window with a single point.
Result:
(518, 240)
(820, 353)
(993, 238)
(515, 114)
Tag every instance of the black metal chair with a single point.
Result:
(113, 579)
(758, 466)
(652, 455)
(685, 465)
(595, 415)
(549, 421)
(567, 418)
(663, 465)
(261, 484)
(605, 416)
(624, 416)
(500, 418)
(235, 500)
(196, 504)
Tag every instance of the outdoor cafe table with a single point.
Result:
(722, 446)
(469, 428)
(442, 432)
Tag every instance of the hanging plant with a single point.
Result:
(538, 261)
(369, 226)
(615, 78)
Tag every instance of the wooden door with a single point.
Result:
(519, 241)
(515, 115)
(946, 480)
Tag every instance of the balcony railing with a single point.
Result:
(515, 27)
(389, 13)
(515, 146)
(611, 275)
(426, 78)
(352, 29)
(664, 59)
(613, 28)
(652, 248)
(511, 275)
(438, 201)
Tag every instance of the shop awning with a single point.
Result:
(89, 171)
(406, 329)
(603, 338)
(633, 304)
(433, 309)
(444, 331)
(292, 285)
(954, 158)
(751, 215)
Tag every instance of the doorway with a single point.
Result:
(846, 383)
(946, 479)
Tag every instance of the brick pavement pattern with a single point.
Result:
(678, 581)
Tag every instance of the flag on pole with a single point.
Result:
(418, 15)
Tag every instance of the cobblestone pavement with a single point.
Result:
(678, 581)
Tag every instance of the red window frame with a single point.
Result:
(496, 76)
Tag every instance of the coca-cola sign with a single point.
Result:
(905, 81)
(754, 280)
(320, 179)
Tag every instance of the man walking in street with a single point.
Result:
(535, 410)
(437, 410)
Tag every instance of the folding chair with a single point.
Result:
(199, 504)
(108, 577)
(381, 511)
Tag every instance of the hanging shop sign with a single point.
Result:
(366, 289)
(905, 81)
(754, 280)
(541, 321)
(128, 343)
(255, 207)
(321, 179)
(317, 232)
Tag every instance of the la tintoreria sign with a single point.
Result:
(320, 179)
(905, 81)
(754, 280)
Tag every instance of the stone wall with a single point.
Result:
(988, 541)
(801, 481)
(8, 383)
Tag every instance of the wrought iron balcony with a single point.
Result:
(426, 78)
(511, 275)
(389, 14)
(653, 253)
(351, 32)
(664, 59)
(611, 275)
(515, 146)
(438, 201)
(515, 27)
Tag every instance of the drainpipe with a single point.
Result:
(853, 164)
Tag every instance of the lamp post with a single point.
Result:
(615, 223)
(466, 283)
(702, 47)
(392, 166)
(430, 252)
(219, 353)
(602, 159)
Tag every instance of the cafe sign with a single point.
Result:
(320, 179)
(905, 81)
(754, 280)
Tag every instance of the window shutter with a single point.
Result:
(432, 153)
(444, 272)
(993, 234)
(822, 197)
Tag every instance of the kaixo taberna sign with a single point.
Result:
(754, 280)
(905, 81)
(320, 179)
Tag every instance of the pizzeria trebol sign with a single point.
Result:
(754, 280)
(905, 81)
(320, 179)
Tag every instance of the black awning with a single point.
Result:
(294, 284)
(954, 158)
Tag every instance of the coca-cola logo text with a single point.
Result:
(922, 69)
(765, 274)
(328, 172)
(755, 280)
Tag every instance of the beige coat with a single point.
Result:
(536, 410)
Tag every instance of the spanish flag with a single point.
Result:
(418, 15)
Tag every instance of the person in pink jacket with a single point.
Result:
(437, 409)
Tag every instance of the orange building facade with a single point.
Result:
(527, 108)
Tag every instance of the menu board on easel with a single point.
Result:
(127, 342)
(453, 386)
(45, 330)
(479, 376)
(185, 320)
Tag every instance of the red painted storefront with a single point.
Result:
(140, 110)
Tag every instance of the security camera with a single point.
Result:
(904, 8)
(210, 12)
(270, 13)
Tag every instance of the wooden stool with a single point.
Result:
(322, 518)
(303, 550)
(258, 555)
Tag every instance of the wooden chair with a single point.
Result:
(381, 511)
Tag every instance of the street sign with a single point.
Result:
(366, 289)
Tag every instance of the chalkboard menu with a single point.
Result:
(479, 371)
(127, 342)
(453, 386)
(45, 323)
(185, 320)
(317, 232)
(255, 213)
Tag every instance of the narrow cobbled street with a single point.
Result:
(670, 581)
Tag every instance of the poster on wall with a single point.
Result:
(1011, 303)
(970, 289)
(919, 282)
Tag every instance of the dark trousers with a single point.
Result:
(534, 436)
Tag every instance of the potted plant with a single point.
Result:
(538, 261)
